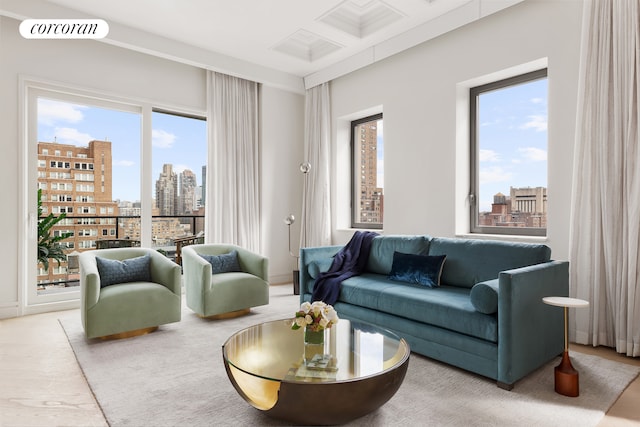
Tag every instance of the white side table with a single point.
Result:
(566, 377)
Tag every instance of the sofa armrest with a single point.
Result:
(253, 263)
(166, 272)
(530, 332)
(307, 256)
(89, 281)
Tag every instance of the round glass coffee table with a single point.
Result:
(265, 365)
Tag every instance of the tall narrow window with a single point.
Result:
(509, 156)
(367, 172)
(179, 177)
(98, 149)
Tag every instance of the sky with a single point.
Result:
(513, 140)
(512, 135)
(176, 140)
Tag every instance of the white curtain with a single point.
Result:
(233, 203)
(316, 208)
(605, 218)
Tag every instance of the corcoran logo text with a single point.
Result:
(64, 28)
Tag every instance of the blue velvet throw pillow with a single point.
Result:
(419, 269)
(224, 263)
(113, 271)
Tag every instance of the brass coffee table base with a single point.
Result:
(321, 403)
(265, 364)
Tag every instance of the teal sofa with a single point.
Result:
(487, 315)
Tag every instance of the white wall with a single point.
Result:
(101, 67)
(282, 129)
(417, 91)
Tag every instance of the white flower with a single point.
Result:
(317, 315)
(331, 315)
(305, 307)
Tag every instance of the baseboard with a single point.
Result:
(9, 311)
(281, 279)
(51, 306)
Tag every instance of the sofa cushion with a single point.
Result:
(224, 263)
(484, 296)
(447, 307)
(383, 247)
(113, 271)
(319, 266)
(419, 269)
(472, 261)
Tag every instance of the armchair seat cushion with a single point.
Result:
(121, 307)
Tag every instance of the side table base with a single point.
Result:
(566, 377)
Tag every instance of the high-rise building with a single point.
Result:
(371, 196)
(203, 198)
(77, 181)
(188, 197)
(167, 191)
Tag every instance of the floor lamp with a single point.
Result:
(304, 168)
(296, 273)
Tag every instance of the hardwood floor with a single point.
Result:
(41, 383)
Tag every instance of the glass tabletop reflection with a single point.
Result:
(273, 351)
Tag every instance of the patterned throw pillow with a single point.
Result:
(113, 271)
(224, 263)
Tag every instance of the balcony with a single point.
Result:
(169, 235)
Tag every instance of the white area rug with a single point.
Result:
(176, 377)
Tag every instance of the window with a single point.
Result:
(508, 140)
(108, 168)
(367, 172)
(179, 177)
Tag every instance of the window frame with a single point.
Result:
(354, 196)
(31, 89)
(474, 168)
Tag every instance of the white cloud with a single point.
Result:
(50, 112)
(72, 136)
(533, 154)
(537, 100)
(488, 156)
(162, 139)
(536, 122)
(125, 163)
(494, 174)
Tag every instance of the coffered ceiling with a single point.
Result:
(277, 41)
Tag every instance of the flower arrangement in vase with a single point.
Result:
(316, 318)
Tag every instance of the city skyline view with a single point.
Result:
(176, 140)
(512, 140)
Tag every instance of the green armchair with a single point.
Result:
(120, 303)
(228, 293)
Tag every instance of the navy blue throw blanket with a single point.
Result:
(348, 262)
